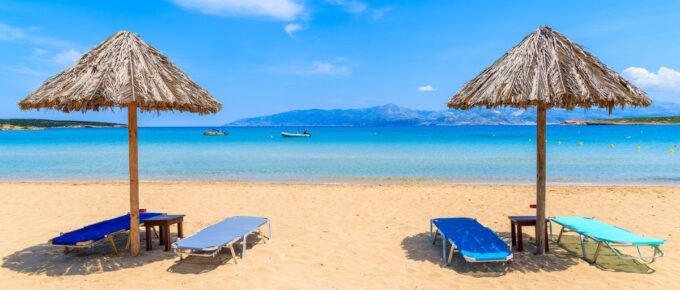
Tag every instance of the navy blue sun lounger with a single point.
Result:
(88, 236)
(475, 242)
(210, 240)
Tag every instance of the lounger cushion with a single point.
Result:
(100, 230)
(473, 240)
(604, 232)
(219, 234)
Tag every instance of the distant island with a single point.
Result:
(41, 124)
(394, 115)
(628, 121)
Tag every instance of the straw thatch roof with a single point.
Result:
(102, 79)
(547, 69)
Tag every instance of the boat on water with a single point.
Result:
(294, 135)
(215, 132)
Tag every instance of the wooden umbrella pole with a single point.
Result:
(540, 180)
(134, 173)
(134, 180)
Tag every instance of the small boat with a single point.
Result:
(292, 135)
(215, 132)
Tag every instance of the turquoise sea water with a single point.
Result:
(465, 154)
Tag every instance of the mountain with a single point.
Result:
(393, 115)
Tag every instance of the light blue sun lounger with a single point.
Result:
(210, 240)
(475, 242)
(607, 235)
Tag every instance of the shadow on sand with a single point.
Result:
(44, 259)
(419, 248)
(198, 265)
(607, 260)
(559, 258)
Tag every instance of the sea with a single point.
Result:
(578, 155)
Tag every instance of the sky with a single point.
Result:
(261, 57)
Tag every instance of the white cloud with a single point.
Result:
(40, 51)
(67, 57)
(327, 68)
(291, 28)
(277, 9)
(427, 88)
(25, 70)
(377, 14)
(351, 6)
(335, 67)
(664, 79)
(16, 34)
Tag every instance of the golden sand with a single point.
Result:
(327, 236)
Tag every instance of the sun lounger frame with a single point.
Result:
(92, 243)
(211, 252)
(447, 260)
(658, 253)
(108, 237)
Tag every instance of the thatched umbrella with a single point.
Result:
(124, 72)
(547, 70)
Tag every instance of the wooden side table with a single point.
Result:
(516, 224)
(163, 222)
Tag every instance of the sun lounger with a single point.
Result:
(210, 240)
(90, 235)
(607, 235)
(475, 242)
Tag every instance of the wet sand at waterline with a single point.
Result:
(327, 236)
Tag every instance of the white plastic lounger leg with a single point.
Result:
(269, 223)
(448, 261)
(233, 253)
(443, 247)
(245, 242)
(597, 252)
(559, 237)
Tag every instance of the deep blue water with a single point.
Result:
(466, 154)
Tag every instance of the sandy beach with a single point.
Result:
(326, 236)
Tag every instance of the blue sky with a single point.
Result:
(267, 56)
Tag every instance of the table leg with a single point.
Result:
(179, 230)
(520, 242)
(148, 238)
(166, 232)
(161, 235)
(513, 236)
(547, 241)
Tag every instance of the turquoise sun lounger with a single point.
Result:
(209, 241)
(607, 235)
(475, 242)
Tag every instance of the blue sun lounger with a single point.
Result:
(475, 242)
(607, 235)
(90, 235)
(209, 241)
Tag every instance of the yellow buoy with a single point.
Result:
(580, 143)
(611, 146)
(671, 150)
(637, 148)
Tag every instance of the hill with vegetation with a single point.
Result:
(628, 121)
(38, 124)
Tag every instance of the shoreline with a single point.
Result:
(348, 181)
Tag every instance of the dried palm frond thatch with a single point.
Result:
(103, 78)
(547, 69)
